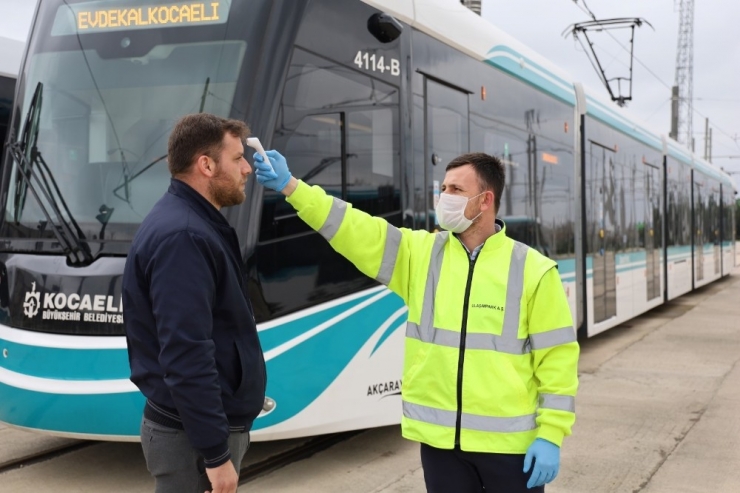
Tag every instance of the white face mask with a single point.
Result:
(450, 212)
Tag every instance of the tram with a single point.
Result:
(369, 99)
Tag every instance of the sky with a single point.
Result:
(16, 18)
(540, 24)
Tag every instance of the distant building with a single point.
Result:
(11, 53)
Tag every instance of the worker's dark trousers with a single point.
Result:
(455, 471)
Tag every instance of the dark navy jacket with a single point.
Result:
(190, 329)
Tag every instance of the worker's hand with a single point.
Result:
(546, 456)
(223, 478)
(275, 175)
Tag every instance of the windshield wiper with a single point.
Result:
(25, 155)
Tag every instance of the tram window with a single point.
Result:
(510, 145)
(313, 149)
(311, 138)
(730, 210)
(700, 200)
(711, 223)
(529, 131)
(315, 83)
(338, 129)
(678, 205)
(632, 191)
(420, 215)
(373, 161)
(727, 206)
(537, 201)
(104, 124)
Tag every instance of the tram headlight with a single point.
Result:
(267, 407)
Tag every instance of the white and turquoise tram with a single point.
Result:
(369, 99)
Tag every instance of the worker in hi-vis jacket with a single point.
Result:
(490, 364)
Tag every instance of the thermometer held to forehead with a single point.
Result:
(255, 144)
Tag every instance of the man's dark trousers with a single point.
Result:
(175, 464)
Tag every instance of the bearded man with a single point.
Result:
(190, 329)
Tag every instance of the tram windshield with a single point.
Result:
(107, 104)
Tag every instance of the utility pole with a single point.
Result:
(684, 74)
(706, 139)
(674, 113)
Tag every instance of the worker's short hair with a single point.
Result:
(490, 171)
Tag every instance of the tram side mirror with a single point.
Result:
(384, 27)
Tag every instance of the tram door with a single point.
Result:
(716, 231)
(602, 198)
(652, 231)
(698, 230)
(446, 132)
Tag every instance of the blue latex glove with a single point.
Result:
(546, 457)
(274, 175)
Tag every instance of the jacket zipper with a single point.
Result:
(461, 359)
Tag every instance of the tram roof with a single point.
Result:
(683, 155)
(459, 27)
(712, 171)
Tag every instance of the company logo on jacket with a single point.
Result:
(487, 306)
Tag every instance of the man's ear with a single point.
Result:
(489, 199)
(205, 166)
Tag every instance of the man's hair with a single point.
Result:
(200, 134)
(490, 171)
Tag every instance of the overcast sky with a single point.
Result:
(540, 23)
(16, 18)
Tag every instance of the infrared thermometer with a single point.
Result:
(255, 144)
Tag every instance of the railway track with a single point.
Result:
(298, 453)
(247, 473)
(43, 456)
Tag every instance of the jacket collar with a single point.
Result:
(493, 242)
(497, 239)
(197, 202)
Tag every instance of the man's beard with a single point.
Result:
(224, 191)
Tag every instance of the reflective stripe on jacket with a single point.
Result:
(490, 355)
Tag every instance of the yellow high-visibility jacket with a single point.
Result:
(491, 354)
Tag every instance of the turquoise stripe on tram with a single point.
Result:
(65, 364)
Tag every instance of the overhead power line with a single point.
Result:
(584, 8)
(588, 11)
(614, 85)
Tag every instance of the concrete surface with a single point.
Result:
(656, 413)
(103, 467)
(16, 444)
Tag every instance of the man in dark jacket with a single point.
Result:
(190, 329)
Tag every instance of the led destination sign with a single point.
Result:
(115, 16)
(148, 16)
